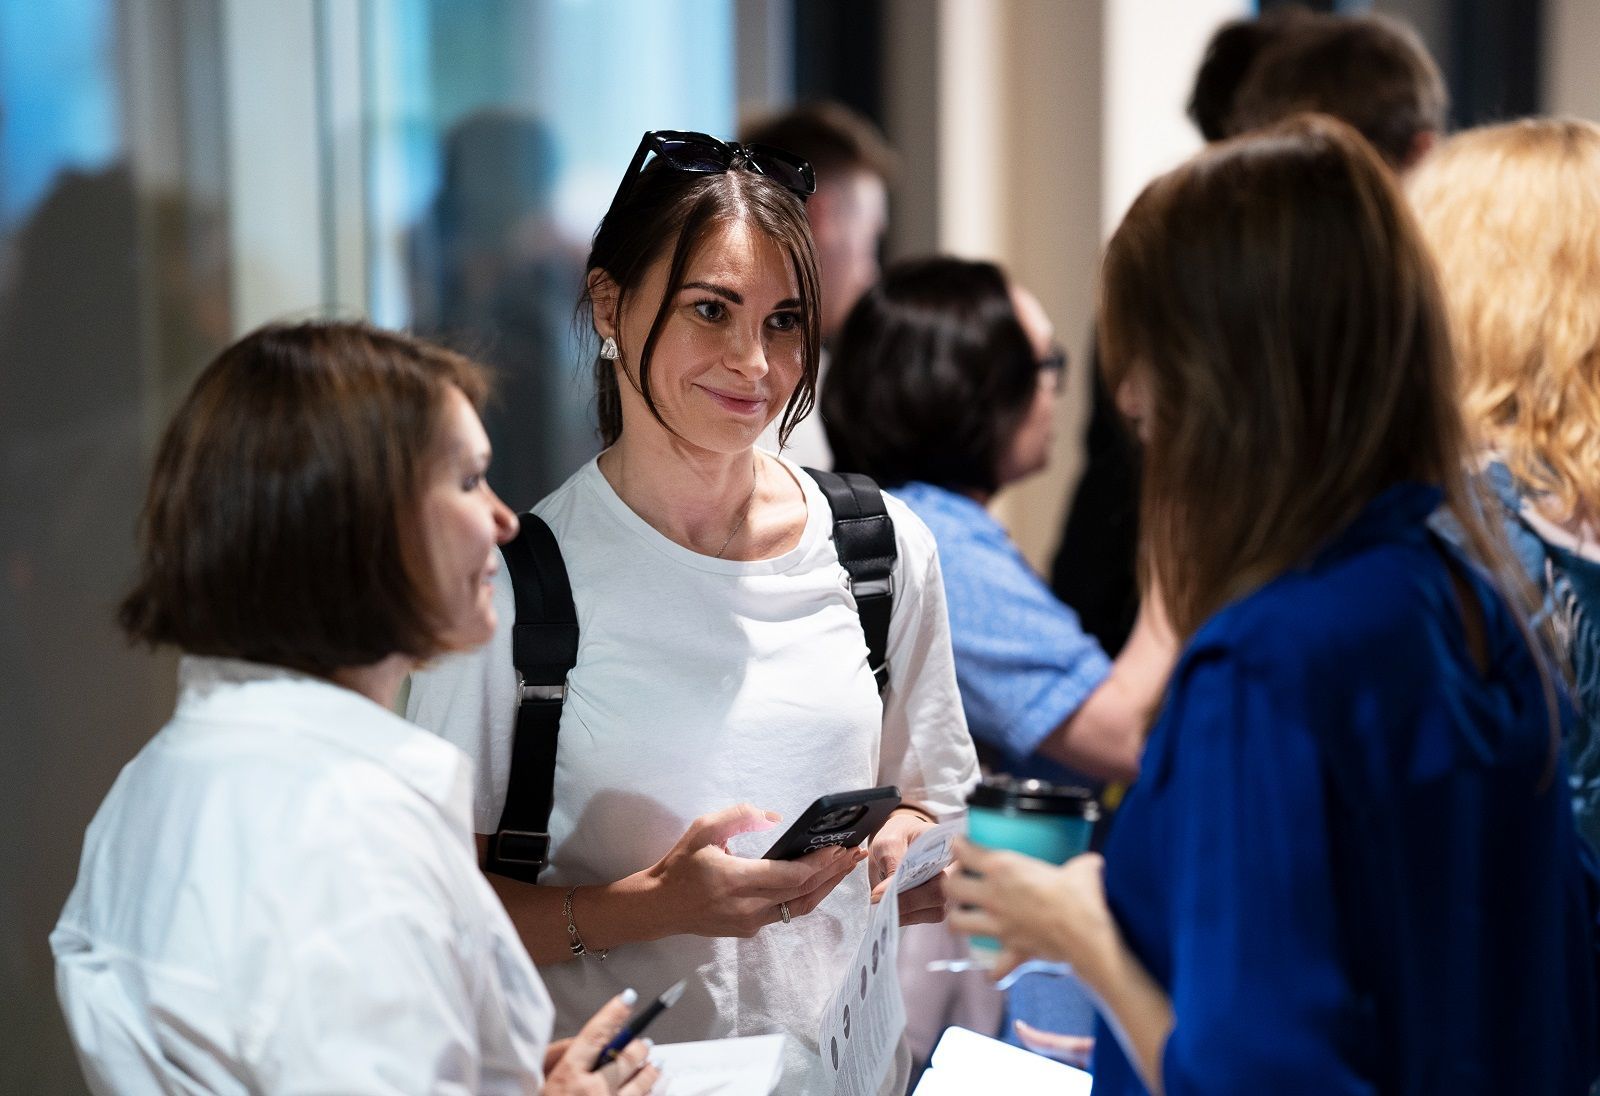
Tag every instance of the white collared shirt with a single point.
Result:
(280, 894)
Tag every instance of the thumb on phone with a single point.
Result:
(717, 827)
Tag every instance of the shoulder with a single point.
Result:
(1344, 610)
(914, 541)
(914, 537)
(951, 517)
(559, 507)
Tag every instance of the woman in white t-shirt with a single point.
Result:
(279, 894)
(721, 682)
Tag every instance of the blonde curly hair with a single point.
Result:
(1513, 216)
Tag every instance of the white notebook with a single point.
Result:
(720, 1067)
(965, 1062)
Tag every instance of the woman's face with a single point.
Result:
(733, 346)
(463, 520)
(1030, 446)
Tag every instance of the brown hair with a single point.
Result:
(931, 377)
(1513, 214)
(1369, 71)
(674, 213)
(1230, 54)
(834, 138)
(281, 523)
(1300, 348)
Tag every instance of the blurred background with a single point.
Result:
(175, 172)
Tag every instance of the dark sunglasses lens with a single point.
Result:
(687, 154)
(786, 170)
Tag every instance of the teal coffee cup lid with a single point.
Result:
(1034, 796)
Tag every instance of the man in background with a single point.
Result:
(1367, 70)
(848, 215)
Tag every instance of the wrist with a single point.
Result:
(1104, 966)
(913, 811)
(613, 915)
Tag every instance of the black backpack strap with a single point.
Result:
(544, 648)
(863, 535)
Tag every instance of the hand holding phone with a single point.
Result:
(845, 819)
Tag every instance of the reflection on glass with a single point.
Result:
(498, 133)
(112, 287)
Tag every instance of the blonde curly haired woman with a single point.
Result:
(1513, 215)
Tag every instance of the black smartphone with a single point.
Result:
(845, 819)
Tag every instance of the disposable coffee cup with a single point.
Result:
(1047, 821)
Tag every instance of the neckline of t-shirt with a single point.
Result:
(816, 506)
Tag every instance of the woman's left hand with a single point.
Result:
(920, 905)
(1036, 909)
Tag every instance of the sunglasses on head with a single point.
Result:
(703, 154)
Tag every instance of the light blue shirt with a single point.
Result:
(1023, 663)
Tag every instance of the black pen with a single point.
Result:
(636, 1025)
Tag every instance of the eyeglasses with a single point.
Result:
(703, 154)
(1055, 361)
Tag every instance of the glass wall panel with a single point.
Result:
(113, 290)
(497, 134)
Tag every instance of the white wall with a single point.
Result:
(1038, 124)
(274, 170)
(1151, 51)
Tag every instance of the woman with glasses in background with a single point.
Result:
(948, 374)
(1348, 864)
(279, 894)
(722, 680)
(944, 390)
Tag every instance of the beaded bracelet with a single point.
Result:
(574, 941)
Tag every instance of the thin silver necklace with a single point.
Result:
(745, 516)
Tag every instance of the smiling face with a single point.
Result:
(732, 348)
(463, 520)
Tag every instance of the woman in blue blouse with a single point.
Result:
(1348, 865)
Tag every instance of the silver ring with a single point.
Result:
(783, 911)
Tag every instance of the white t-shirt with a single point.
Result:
(702, 683)
(280, 893)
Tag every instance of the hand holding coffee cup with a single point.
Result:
(1033, 910)
(1046, 822)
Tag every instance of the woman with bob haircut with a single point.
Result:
(1348, 864)
(1520, 278)
(722, 680)
(279, 893)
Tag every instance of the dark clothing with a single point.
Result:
(1094, 569)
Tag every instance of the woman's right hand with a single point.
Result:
(701, 888)
(631, 1074)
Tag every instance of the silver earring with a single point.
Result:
(608, 349)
